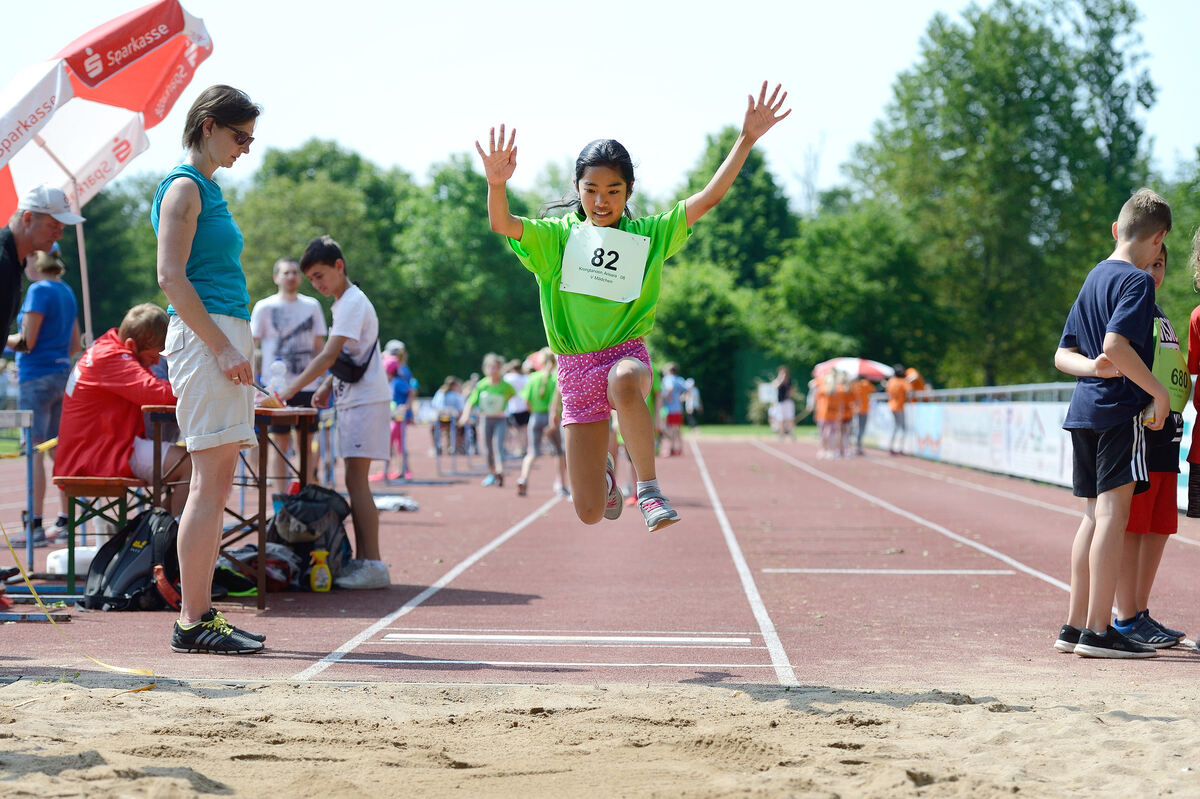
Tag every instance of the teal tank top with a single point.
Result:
(214, 265)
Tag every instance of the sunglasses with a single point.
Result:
(240, 137)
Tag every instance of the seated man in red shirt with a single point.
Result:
(103, 431)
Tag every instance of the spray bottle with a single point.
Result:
(320, 578)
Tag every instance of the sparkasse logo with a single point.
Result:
(93, 64)
(121, 150)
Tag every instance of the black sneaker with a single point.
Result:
(260, 637)
(1179, 635)
(212, 635)
(1068, 637)
(1110, 645)
(1144, 631)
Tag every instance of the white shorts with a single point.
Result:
(364, 431)
(211, 409)
(141, 460)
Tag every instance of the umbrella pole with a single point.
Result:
(83, 278)
(83, 273)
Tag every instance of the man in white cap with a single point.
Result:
(36, 225)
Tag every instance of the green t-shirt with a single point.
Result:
(539, 390)
(578, 323)
(490, 397)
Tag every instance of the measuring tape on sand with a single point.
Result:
(33, 592)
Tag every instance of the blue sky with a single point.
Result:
(408, 84)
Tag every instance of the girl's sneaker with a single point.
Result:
(656, 510)
(522, 488)
(490, 480)
(615, 503)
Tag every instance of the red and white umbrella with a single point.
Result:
(854, 367)
(76, 120)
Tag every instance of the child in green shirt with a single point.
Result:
(491, 395)
(599, 271)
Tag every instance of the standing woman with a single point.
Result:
(208, 349)
(46, 344)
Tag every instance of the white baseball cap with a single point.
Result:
(393, 346)
(49, 200)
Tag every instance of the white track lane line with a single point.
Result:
(412, 604)
(578, 639)
(558, 664)
(890, 571)
(779, 658)
(937, 528)
(1001, 493)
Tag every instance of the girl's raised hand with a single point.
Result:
(499, 163)
(761, 116)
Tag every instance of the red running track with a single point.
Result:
(786, 569)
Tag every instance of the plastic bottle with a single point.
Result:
(277, 382)
(320, 578)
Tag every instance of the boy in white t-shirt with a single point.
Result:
(290, 327)
(361, 395)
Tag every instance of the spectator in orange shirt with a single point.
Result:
(897, 389)
(845, 402)
(915, 382)
(823, 412)
(860, 392)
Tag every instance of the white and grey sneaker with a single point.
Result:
(615, 502)
(369, 574)
(656, 510)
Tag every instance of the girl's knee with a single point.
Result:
(589, 515)
(628, 381)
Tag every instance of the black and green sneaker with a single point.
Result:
(212, 635)
(260, 637)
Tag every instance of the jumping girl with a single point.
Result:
(598, 272)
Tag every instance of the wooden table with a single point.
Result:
(303, 420)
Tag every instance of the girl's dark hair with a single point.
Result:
(601, 152)
(225, 104)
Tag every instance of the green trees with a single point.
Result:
(1007, 147)
(459, 291)
(751, 227)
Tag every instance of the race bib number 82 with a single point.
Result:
(604, 262)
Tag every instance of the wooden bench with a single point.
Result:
(107, 498)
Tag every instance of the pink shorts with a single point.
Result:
(583, 380)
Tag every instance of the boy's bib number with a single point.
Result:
(604, 262)
(1170, 367)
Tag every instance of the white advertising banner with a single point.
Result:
(1021, 439)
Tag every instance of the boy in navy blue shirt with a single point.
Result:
(1111, 322)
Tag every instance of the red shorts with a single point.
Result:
(674, 419)
(583, 380)
(1156, 510)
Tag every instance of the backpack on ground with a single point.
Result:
(309, 520)
(138, 568)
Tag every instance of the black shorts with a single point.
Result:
(519, 419)
(1108, 459)
(303, 399)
